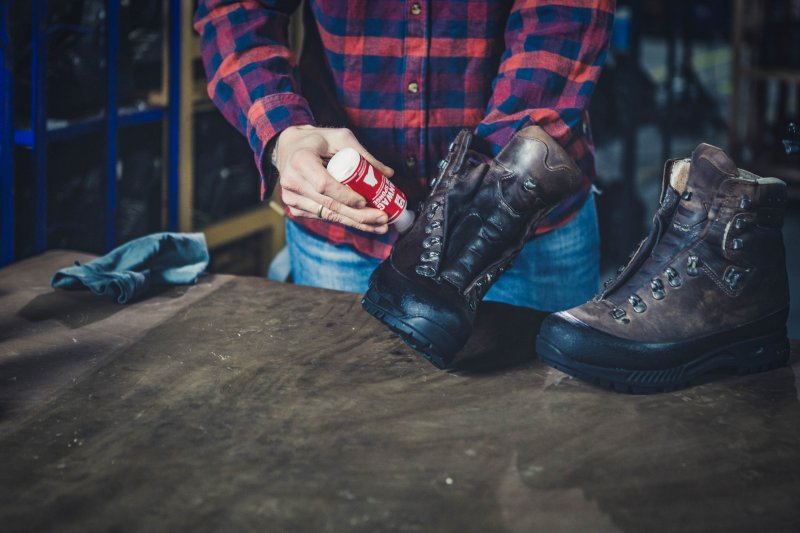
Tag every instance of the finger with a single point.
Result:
(332, 216)
(364, 215)
(345, 138)
(306, 207)
(313, 181)
(309, 168)
(306, 199)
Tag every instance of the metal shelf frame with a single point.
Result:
(747, 110)
(38, 136)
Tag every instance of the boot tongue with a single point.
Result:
(693, 184)
(710, 166)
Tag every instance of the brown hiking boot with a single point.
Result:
(705, 292)
(473, 224)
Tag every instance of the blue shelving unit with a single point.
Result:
(40, 134)
(6, 142)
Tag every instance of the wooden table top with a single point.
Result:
(243, 404)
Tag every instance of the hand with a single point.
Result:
(306, 185)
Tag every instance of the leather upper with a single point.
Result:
(714, 259)
(474, 222)
(481, 211)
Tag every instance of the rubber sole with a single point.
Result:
(424, 336)
(753, 355)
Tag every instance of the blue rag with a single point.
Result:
(127, 271)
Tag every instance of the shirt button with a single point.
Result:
(415, 9)
(413, 87)
(411, 161)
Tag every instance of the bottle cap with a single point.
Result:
(404, 221)
(343, 164)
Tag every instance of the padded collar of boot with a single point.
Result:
(709, 168)
(533, 154)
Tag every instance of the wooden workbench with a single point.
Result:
(242, 404)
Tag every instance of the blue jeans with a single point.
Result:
(553, 272)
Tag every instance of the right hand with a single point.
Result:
(306, 185)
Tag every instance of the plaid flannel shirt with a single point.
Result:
(405, 77)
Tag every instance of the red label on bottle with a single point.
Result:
(377, 189)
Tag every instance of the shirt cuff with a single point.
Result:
(267, 117)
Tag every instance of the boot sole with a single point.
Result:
(417, 332)
(750, 356)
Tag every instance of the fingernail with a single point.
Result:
(383, 229)
(383, 219)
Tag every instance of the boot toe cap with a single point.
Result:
(563, 335)
(434, 314)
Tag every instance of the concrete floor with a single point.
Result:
(241, 404)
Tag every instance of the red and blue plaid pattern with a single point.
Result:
(405, 77)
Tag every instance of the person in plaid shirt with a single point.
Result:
(397, 80)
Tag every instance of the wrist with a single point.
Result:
(272, 151)
(273, 144)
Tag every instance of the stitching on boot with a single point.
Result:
(717, 281)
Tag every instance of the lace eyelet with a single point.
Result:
(673, 278)
(637, 303)
(732, 278)
(745, 202)
(432, 226)
(426, 271)
(692, 265)
(429, 256)
(619, 315)
(431, 241)
(657, 288)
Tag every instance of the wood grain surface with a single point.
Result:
(255, 406)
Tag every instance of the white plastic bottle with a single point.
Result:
(348, 167)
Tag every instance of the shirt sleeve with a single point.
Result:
(251, 71)
(554, 53)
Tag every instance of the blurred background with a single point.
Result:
(107, 134)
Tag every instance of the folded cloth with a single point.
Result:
(129, 270)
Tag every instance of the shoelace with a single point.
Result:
(658, 241)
